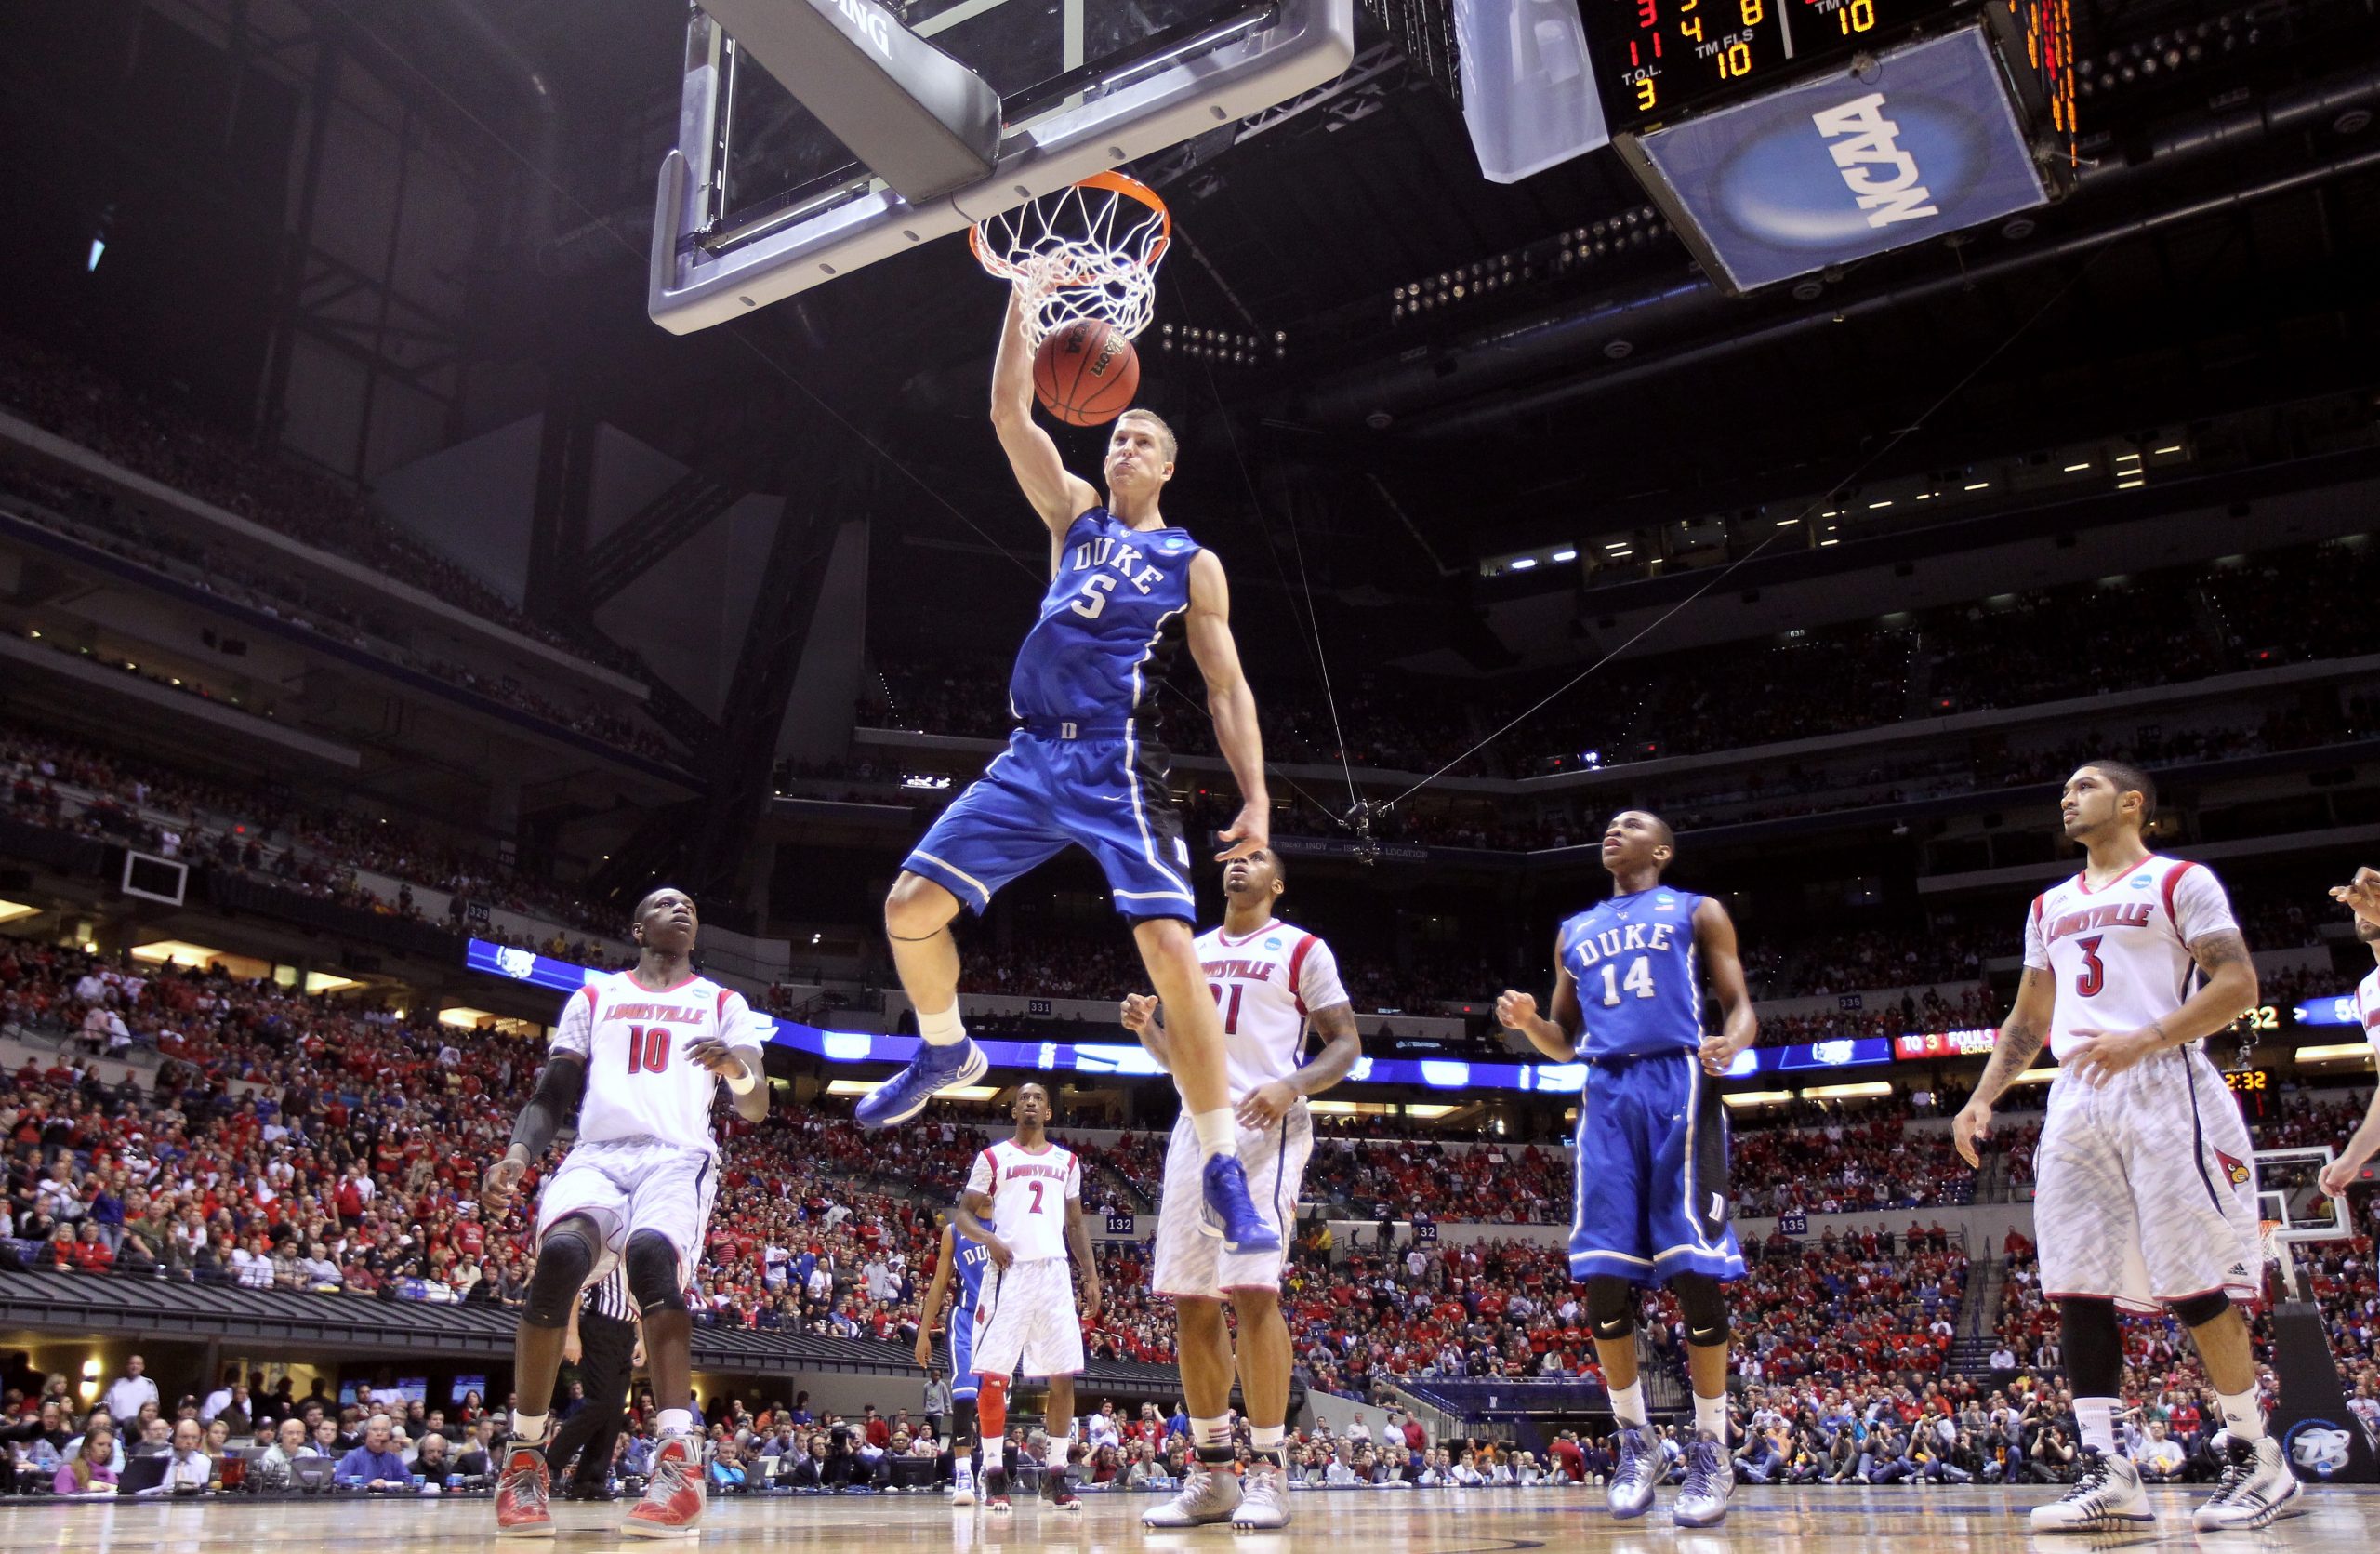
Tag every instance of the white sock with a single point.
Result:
(2096, 1418)
(676, 1421)
(942, 1029)
(2240, 1415)
(1060, 1447)
(528, 1429)
(992, 1455)
(1710, 1415)
(1265, 1441)
(1210, 1432)
(1218, 1134)
(1628, 1404)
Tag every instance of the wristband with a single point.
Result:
(744, 1085)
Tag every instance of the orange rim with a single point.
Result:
(1114, 183)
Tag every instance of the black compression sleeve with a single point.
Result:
(560, 1089)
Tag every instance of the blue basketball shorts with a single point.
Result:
(1651, 1200)
(1040, 796)
(963, 1352)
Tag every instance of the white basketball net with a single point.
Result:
(1090, 250)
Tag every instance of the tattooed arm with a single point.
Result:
(2020, 1039)
(2229, 988)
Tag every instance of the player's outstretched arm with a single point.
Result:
(1058, 496)
(2013, 1051)
(1715, 941)
(930, 1309)
(1143, 1015)
(561, 1085)
(1231, 704)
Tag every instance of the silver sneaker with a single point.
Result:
(1206, 1496)
(2256, 1489)
(1710, 1479)
(1637, 1475)
(2106, 1497)
(1264, 1501)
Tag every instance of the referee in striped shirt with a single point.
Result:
(603, 1343)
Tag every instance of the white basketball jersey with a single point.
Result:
(2367, 1009)
(639, 1081)
(1029, 1193)
(1266, 984)
(2120, 953)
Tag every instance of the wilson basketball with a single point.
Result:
(1086, 374)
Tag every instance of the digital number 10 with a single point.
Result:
(1857, 17)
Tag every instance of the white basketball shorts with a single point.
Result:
(2146, 1188)
(635, 1184)
(1026, 1321)
(1190, 1262)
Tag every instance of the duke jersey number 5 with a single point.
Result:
(1093, 599)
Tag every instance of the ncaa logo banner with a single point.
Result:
(1839, 167)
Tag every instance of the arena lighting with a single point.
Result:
(2328, 1011)
(179, 953)
(328, 982)
(1566, 555)
(1757, 1098)
(1846, 1091)
(11, 910)
(2355, 1052)
(2035, 1076)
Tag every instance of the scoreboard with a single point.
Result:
(1656, 57)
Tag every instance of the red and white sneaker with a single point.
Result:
(673, 1496)
(996, 1491)
(522, 1491)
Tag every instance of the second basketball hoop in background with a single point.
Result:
(1087, 373)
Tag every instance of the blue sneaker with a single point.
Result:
(1710, 1479)
(1231, 1214)
(934, 1071)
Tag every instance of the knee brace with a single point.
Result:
(1705, 1306)
(2200, 1310)
(1611, 1306)
(652, 1264)
(962, 1421)
(2086, 1327)
(564, 1259)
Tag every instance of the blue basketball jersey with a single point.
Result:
(1113, 608)
(974, 1258)
(1639, 989)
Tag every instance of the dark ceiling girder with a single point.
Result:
(669, 520)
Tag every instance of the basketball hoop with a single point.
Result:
(1089, 251)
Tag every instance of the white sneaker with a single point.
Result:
(962, 1485)
(1263, 1505)
(2106, 1496)
(1206, 1496)
(2256, 1489)
(1710, 1479)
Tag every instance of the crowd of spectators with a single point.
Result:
(2047, 644)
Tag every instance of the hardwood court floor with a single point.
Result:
(2338, 1520)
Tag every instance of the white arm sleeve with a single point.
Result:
(2036, 947)
(1318, 985)
(575, 1035)
(2200, 905)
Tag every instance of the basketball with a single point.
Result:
(1086, 374)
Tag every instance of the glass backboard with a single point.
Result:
(758, 201)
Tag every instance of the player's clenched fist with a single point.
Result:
(1139, 1013)
(1515, 1011)
(2360, 894)
(1969, 1129)
(502, 1180)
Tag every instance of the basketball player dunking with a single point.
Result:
(1032, 1190)
(2363, 897)
(2146, 1194)
(636, 1061)
(960, 1262)
(1652, 1189)
(1272, 981)
(1121, 580)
